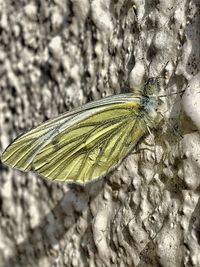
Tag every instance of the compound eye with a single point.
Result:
(152, 81)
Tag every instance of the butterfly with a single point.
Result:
(87, 142)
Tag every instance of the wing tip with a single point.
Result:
(4, 157)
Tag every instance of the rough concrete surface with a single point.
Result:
(56, 55)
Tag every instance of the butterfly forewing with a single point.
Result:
(83, 144)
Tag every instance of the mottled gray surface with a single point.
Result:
(56, 55)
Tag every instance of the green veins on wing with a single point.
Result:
(86, 143)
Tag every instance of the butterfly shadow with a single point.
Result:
(55, 226)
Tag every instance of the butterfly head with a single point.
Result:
(151, 88)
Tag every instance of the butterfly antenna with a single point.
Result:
(175, 93)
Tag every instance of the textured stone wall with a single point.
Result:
(56, 55)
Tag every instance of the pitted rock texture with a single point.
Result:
(56, 55)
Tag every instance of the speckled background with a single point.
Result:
(56, 55)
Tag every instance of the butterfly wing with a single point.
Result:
(83, 144)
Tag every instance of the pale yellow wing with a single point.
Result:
(83, 144)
